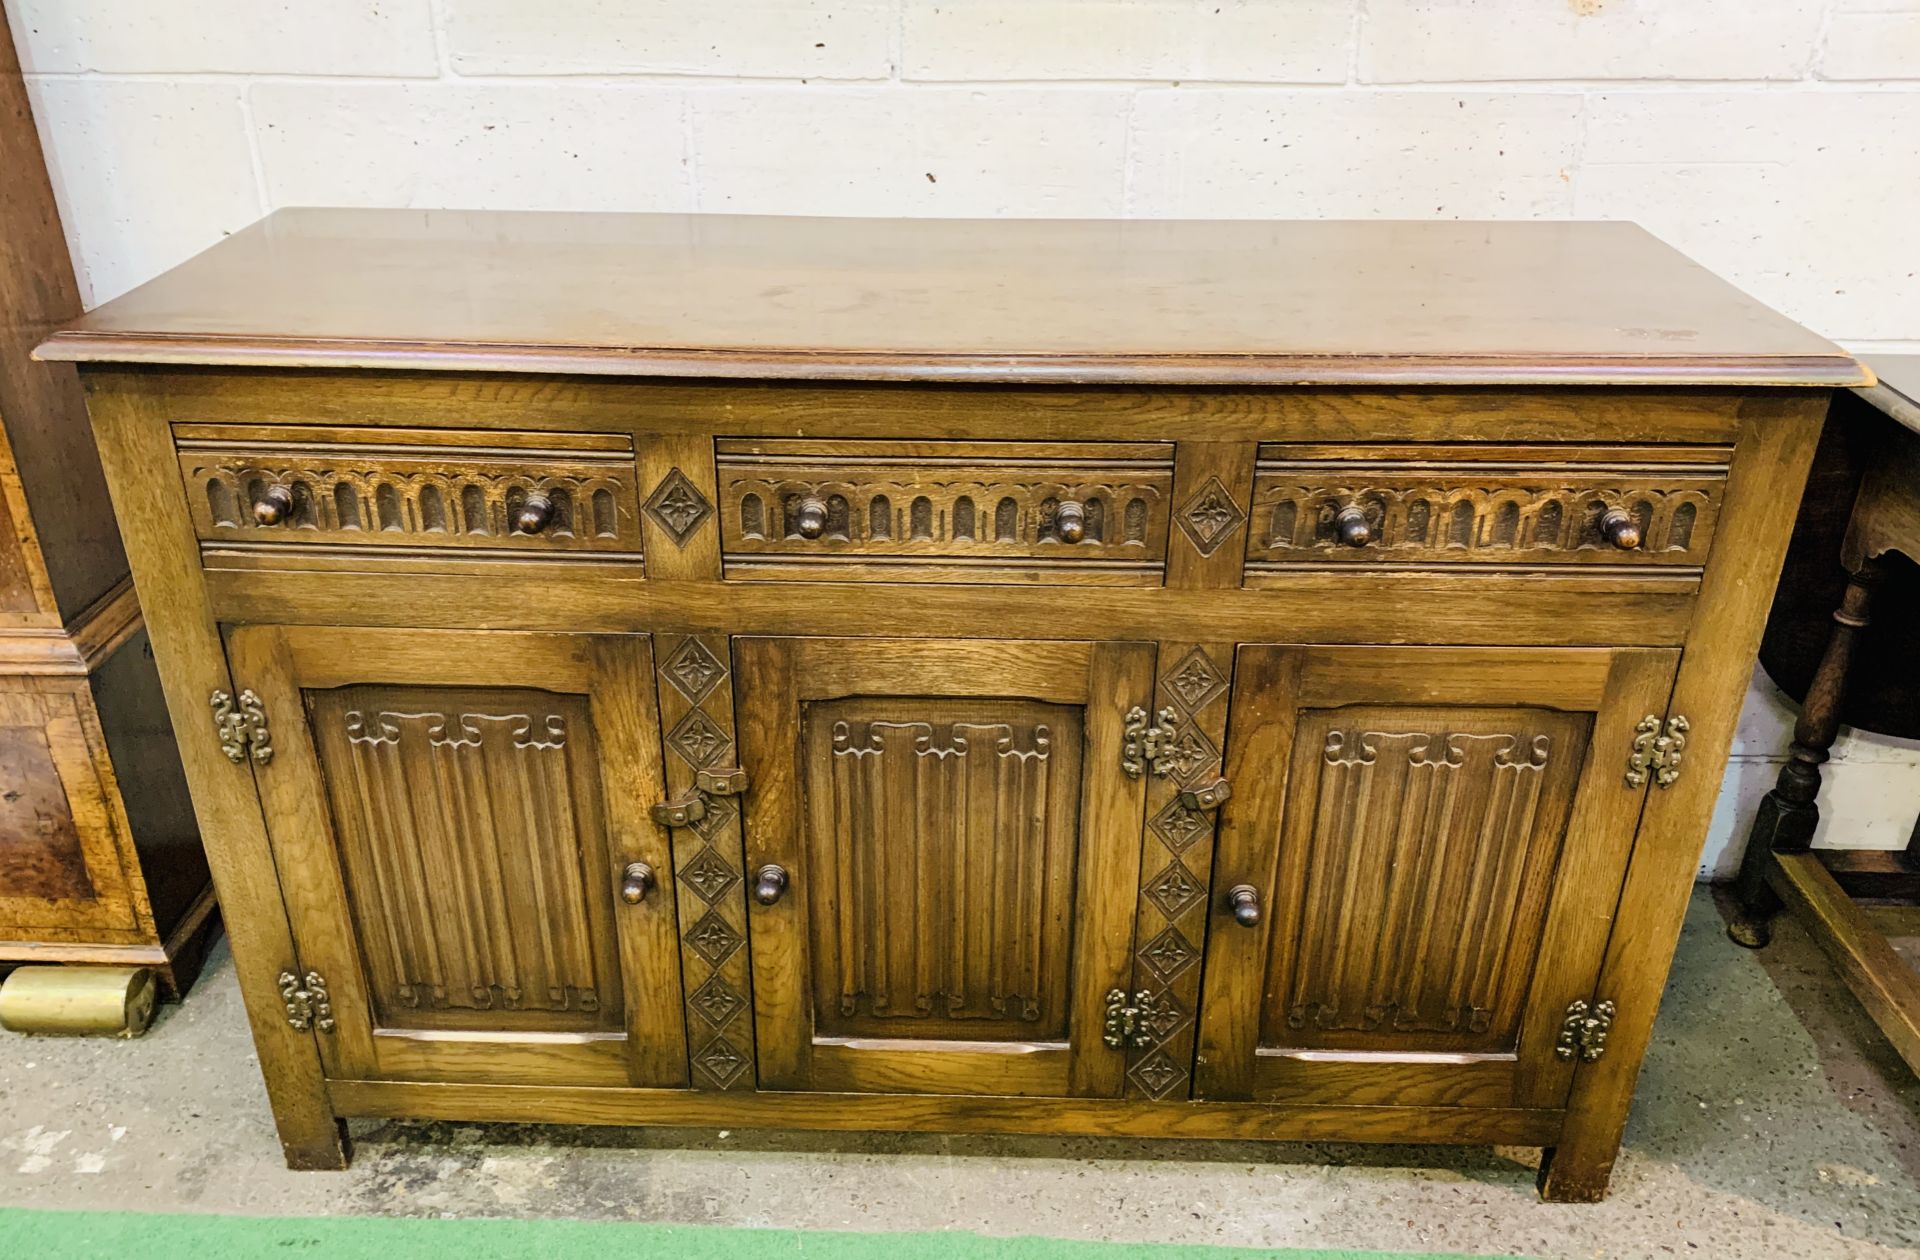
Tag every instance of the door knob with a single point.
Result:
(1244, 901)
(769, 884)
(636, 882)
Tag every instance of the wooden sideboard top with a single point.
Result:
(1136, 301)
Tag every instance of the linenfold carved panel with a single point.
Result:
(469, 821)
(1417, 855)
(947, 834)
(947, 511)
(1500, 507)
(463, 491)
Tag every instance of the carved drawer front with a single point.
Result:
(1476, 504)
(571, 494)
(1085, 512)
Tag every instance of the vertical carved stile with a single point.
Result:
(1176, 872)
(696, 709)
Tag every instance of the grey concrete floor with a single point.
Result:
(1772, 1120)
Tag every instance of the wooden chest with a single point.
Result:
(1163, 679)
(100, 864)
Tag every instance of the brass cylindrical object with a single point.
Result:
(79, 1001)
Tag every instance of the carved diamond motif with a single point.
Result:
(678, 506)
(1158, 1074)
(1179, 826)
(709, 874)
(716, 1001)
(698, 739)
(720, 812)
(1162, 1018)
(1210, 517)
(1195, 681)
(1190, 753)
(1169, 954)
(713, 938)
(721, 1061)
(1174, 889)
(693, 671)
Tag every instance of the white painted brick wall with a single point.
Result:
(1778, 141)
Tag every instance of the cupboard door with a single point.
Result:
(454, 816)
(960, 846)
(1436, 839)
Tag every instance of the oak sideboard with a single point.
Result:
(1234, 680)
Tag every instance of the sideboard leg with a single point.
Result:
(326, 1148)
(1789, 813)
(1578, 1170)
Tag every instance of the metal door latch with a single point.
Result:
(691, 806)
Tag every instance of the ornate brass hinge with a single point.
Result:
(1148, 747)
(691, 806)
(1657, 751)
(242, 728)
(1583, 1032)
(1132, 1024)
(308, 1005)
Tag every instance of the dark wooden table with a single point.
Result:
(1781, 868)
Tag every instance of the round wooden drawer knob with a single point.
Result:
(1620, 529)
(811, 520)
(534, 514)
(1351, 526)
(1070, 522)
(274, 505)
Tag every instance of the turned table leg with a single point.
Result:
(1790, 811)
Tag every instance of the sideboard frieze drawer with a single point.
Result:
(1484, 504)
(472, 492)
(1091, 513)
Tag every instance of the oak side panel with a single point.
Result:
(1774, 452)
(158, 533)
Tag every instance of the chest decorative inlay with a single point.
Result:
(467, 823)
(679, 507)
(1210, 517)
(1428, 842)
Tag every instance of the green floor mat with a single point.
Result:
(163, 1236)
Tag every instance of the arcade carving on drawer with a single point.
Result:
(284, 486)
(1484, 504)
(1082, 512)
